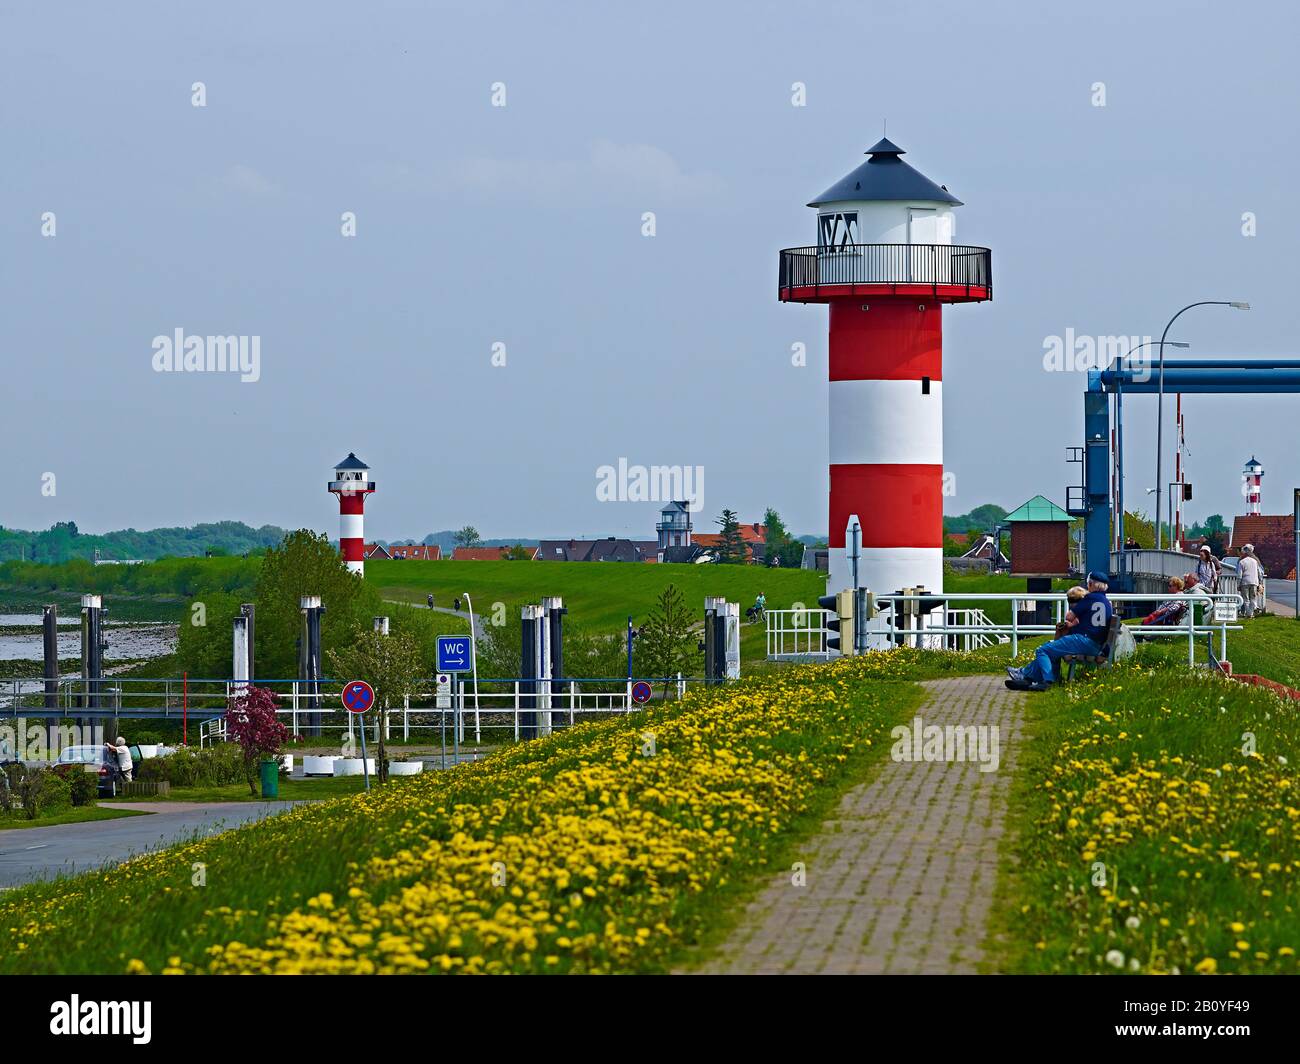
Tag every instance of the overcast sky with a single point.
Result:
(522, 225)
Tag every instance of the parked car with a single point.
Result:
(94, 759)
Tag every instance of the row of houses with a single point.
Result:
(676, 542)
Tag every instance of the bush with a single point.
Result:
(84, 788)
(209, 767)
(43, 791)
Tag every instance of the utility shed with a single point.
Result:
(1040, 539)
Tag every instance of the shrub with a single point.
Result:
(83, 788)
(252, 723)
(210, 767)
(43, 791)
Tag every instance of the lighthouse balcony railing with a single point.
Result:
(945, 266)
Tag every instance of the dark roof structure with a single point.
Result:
(351, 462)
(884, 176)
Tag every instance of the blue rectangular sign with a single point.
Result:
(453, 653)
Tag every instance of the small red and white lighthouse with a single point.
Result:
(352, 484)
(886, 265)
(1251, 476)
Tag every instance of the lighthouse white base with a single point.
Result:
(883, 570)
(356, 567)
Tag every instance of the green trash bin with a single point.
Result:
(270, 779)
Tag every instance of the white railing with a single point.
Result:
(801, 633)
(212, 731)
(975, 618)
(1167, 563)
(797, 633)
(503, 707)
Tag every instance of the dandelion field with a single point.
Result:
(1157, 817)
(606, 848)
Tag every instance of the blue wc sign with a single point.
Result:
(454, 653)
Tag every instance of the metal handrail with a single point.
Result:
(935, 265)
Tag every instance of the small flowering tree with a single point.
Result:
(252, 723)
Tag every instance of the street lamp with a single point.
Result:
(1160, 393)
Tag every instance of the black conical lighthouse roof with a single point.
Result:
(351, 462)
(884, 176)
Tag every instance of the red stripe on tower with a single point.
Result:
(885, 264)
(352, 483)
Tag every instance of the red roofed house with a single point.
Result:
(1273, 536)
(416, 551)
(490, 554)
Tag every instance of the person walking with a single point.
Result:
(1207, 571)
(1088, 621)
(1249, 574)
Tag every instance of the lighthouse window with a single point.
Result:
(837, 231)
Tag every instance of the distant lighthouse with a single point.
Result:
(1251, 476)
(885, 263)
(352, 484)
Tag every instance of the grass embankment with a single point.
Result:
(72, 815)
(1266, 646)
(1146, 839)
(599, 596)
(609, 847)
(291, 790)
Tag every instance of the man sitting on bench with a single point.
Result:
(1088, 621)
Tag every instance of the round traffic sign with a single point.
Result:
(358, 696)
(641, 692)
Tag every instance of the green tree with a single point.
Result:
(391, 664)
(781, 548)
(669, 644)
(732, 549)
(468, 537)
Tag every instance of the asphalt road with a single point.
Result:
(1282, 592)
(63, 849)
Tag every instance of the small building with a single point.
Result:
(492, 554)
(674, 527)
(376, 551)
(1040, 539)
(609, 549)
(415, 552)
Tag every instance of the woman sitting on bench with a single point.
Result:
(1171, 611)
(1088, 621)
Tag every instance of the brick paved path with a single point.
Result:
(901, 879)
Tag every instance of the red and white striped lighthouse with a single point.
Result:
(1251, 476)
(352, 484)
(886, 264)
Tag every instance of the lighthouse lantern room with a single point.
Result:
(352, 483)
(885, 264)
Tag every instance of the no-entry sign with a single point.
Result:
(358, 696)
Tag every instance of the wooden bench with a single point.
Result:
(1103, 659)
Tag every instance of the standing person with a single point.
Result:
(1088, 622)
(1249, 572)
(1207, 571)
(430, 602)
(456, 604)
(123, 754)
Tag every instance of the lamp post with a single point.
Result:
(1160, 393)
(1119, 434)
